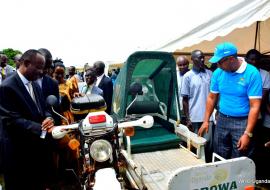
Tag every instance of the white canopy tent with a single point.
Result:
(255, 36)
(247, 24)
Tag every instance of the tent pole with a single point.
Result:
(256, 34)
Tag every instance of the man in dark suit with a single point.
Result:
(48, 85)
(104, 83)
(26, 155)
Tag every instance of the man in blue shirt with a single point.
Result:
(239, 88)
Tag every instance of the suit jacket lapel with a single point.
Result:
(45, 85)
(28, 99)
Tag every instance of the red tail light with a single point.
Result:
(97, 119)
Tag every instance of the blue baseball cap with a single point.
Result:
(223, 50)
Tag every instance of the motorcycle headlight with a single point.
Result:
(101, 150)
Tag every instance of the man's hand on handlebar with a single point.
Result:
(77, 94)
(47, 124)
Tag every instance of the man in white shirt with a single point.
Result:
(195, 89)
(262, 128)
(182, 67)
(90, 86)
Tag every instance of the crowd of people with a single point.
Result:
(236, 89)
(228, 103)
(27, 155)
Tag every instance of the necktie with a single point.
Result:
(32, 94)
(3, 73)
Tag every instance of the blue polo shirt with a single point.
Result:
(236, 88)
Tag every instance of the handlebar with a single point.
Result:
(145, 122)
(60, 131)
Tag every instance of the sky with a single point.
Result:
(85, 31)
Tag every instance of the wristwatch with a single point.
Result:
(248, 134)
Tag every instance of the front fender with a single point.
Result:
(106, 179)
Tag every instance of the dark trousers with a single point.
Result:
(227, 133)
(261, 153)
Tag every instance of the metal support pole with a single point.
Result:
(256, 34)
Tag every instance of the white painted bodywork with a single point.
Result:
(234, 173)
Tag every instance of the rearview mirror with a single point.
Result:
(52, 100)
(135, 89)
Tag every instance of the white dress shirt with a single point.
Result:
(24, 80)
(99, 79)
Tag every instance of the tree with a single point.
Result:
(10, 53)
